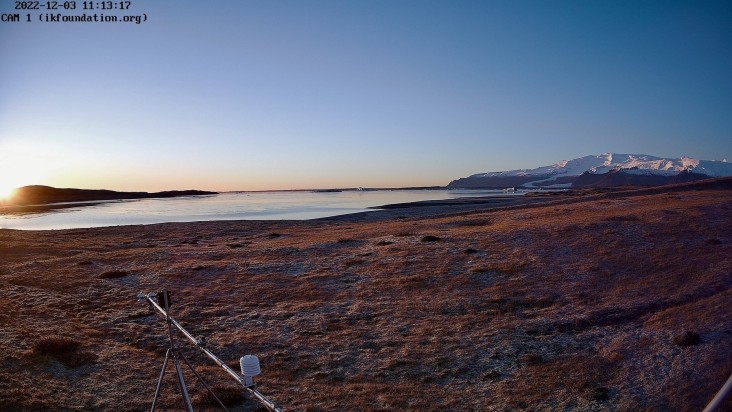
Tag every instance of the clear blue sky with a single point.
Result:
(248, 95)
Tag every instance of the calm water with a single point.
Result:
(227, 206)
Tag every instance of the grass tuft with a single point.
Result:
(228, 395)
(687, 338)
(600, 394)
(623, 218)
(55, 345)
(114, 274)
(533, 359)
(63, 349)
(490, 376)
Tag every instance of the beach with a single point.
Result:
(600, 301)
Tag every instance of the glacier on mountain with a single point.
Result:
(562, 173)
(608, 161)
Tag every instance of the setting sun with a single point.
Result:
(6, 192)
(23, 164)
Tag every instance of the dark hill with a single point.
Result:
(494, 182)
(618, 178)
(38, 195)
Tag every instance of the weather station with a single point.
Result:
(249, 364)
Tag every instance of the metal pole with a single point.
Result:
(160, 380)
(256, 394)
(720, 397)
(179, 373)
(167, 320)
(182, 384)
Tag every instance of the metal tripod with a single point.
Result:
(172, 352)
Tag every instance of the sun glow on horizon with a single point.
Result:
(25, 163)
(7, 193)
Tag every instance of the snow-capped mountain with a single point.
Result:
(649, 170)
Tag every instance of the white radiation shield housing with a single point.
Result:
(249, 365)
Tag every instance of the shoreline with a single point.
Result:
(420, 208)
(434, 208)
(392, 211)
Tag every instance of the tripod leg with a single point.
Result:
(160, 380)
(182, 384)
(208, 388)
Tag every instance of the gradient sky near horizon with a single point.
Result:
(253, 95)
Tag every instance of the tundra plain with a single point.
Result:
(595, 302)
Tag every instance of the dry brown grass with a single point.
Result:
(64, 349)
(582, 305)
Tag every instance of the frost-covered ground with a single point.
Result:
(604, 302)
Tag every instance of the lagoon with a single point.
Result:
(276, 205)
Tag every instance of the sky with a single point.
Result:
(257, 95)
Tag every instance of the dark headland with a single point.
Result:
(28, 197)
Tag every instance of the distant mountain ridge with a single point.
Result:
(604, 170)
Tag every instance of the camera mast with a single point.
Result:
(249, 364)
